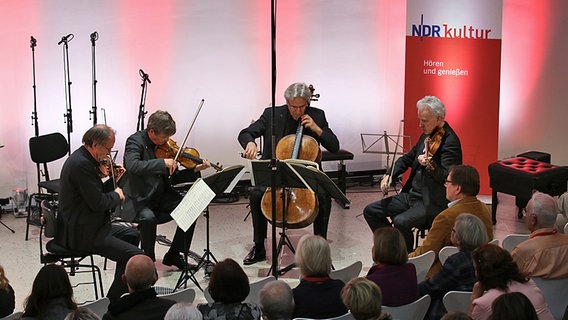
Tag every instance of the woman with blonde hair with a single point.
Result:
(7, 297)
(317, 296)
(363, 298)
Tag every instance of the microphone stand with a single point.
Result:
(67, 79)
(273, 161)
(93, 112)
(141, 111)
(33, 44)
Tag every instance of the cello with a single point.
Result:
(299, 205)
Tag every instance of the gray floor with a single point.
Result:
(230, 237)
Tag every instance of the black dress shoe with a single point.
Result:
(255, 255)
(176, 259)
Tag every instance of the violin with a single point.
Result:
(107, 168)
(432, 143)
(188, 157)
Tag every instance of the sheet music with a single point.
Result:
(236, 180)
(192, 205)
(289, 164)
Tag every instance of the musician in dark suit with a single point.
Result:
(423, 196)
(150, 197)
(287, 117)
(85, 204)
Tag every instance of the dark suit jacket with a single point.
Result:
(84, 202)
(433, 190)
(140, 305)
(261, 128)
(146, 176)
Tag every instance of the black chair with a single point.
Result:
(72, 260)
(44, 149)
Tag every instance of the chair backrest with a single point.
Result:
(457, 301)
(99, 307)
(347, 273)
(494, 241)
(512, 240)
(422, 263)
(252, 297)
(566, 228)
(347, 316)
(414, 310)
(13, 316)
(185, 295)
(445, 252)
(48, 148)
(555, 292)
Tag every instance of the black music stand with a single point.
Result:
(293, 173)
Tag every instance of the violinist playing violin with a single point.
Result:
(423, 196)
(297, 110)
(147, 185)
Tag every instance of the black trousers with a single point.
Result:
(259, 222)
(119, 245)
(158, 212)
(405, 212)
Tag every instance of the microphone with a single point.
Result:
(144, 76)
(33, 41)
(66, 38)
(94, 36)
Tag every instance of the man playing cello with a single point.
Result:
(297, 110)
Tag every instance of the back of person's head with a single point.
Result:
(470, 232)
(495, 267)
(162, 122)
(51, 282)
(183, 311)
(467, 178)
(389, 246)
(513, 305)
(363, 298)
(98, 134)
(82, 313)
(456, 315)
(313, 256)
(276, 301)
(544, 208)
(229, 282)
(4, 282)
(140, 273)
(434, 104)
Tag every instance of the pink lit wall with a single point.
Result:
(352, 52)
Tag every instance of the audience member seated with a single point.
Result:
(276, 301)
(229, 287)
(391, 270)
(82, 313)
(317, 296)
(544, 253)
(141, 301)
(7, 296)
(462, 187)
(52, 295)
(457, 273)
(513, 305)
(498, 274)
(562, 216)
(456, 315)
(183, 311)
(363, 298)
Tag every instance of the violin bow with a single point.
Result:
(189, 130)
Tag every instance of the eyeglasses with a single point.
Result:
(298, 107)
(449, 181)
(107, 148)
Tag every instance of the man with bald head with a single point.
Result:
(276, 301)
(140, 302)
(545, 252)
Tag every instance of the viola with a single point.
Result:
(432, 144)
(107, 168)
(188, 157)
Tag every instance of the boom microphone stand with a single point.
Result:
(68, 115)
(33, 44)
(93, 112)
(141, 111)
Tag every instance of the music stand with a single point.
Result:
(293, 173)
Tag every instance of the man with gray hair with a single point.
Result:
(276, 301)
(545, 252)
